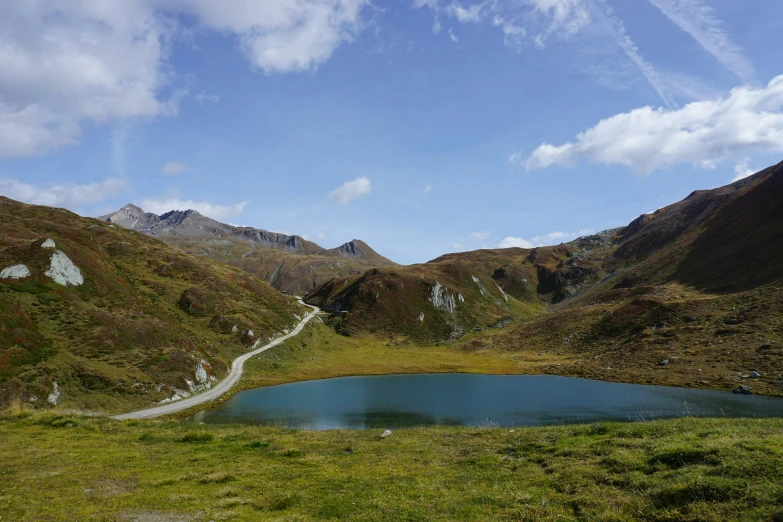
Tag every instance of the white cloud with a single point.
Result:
(203, 97)
(281, 36)
(552, 238)
(699, 20)
(351, 190)
(479, 236)
(217, 212)
(742, 170)
(427, 188)
(67, 64)
(174, 167)
(513, 35)
(703, 133)
(510, 242)
(56, 195)
(457, 246)
(567, 17)
(471, 14)
(453, 36)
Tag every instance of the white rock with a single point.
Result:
(460, 298)
(441, 299)
(386, 433)
(63, 271)
(234, 329)
(250, 333)
(54, 396)
(504, 293)
(15, 272)
(421, 317)
(49, 243)
(201, 374)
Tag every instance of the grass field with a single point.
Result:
(318, 353)
(63, 467)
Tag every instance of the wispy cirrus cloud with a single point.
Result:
(615, 27)
(537, 21)
(698, 19)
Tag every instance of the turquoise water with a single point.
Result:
(395, 401)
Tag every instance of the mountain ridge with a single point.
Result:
(290, 263)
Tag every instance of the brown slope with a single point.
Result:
(725, 239)
(138, 327)
(457, 293)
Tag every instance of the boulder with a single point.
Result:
(386, 433)
(63, 271)
(15, 272)
(754, 375)
(744, 390)
(49, 243)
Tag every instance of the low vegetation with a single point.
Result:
(66, 467)
(144, 320)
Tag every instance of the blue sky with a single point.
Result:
(422, 127)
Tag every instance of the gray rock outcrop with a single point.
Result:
(15, 272)
(63, 271)
(440, 299)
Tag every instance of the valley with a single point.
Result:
(673, 298)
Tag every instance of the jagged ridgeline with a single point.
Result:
(289, 263)
(669, 267)
(116, 318)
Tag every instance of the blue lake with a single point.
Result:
(396, 401)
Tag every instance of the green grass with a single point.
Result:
(319, 353)
(62, 467)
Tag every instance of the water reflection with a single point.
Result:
(465, 399)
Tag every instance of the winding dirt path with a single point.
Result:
(220, 388)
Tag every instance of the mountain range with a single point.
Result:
(289, 263)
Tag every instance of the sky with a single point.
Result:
(419, 126)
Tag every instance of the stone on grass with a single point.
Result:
(744, 390)
(54, 396)
(386, 433)
(63, 271)
(15, 272)
(49, 243)
(754, 375)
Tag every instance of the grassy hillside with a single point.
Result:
(146, 320)
(79, 468)
(295, 274)
(458, 293)
(691, 294)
